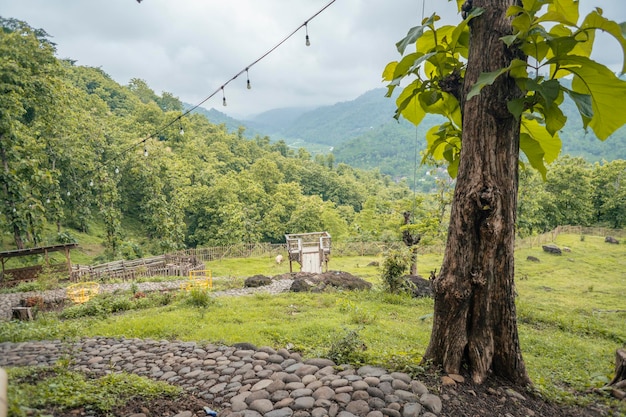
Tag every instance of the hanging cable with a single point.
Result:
(414, 205)
(178, 118)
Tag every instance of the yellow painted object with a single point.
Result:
(202, 280)
(83, 291)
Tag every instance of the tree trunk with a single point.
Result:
(474, 319)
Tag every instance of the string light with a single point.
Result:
(145, 151)
(181, 131)
(91, 183)
(248, 85)
(306, 29)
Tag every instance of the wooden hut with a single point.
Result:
(310, 250)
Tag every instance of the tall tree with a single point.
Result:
(28, 78)
(474, 321)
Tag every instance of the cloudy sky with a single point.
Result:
(192, 47)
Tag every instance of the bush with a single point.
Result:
(198, 297)
(394, 267)
(347, 348)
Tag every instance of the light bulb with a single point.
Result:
(91, 183)
(117, 170)
(224, 101)
(68, 193)
(306, 29)
(145, 151)
(248, 86)
(181, 131)
(47, 200)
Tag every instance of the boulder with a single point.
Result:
(320, 282)
(419, 286)
(532, 259)
(553, 249)
(257, 281)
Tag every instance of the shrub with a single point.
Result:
(198, 297)
(394, 267)
(347, 348)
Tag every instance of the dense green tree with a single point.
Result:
(535, 205)
(609, 197)
(569, 184)
(28, 100)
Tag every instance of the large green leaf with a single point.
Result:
(584, 105)
(606, 90)
(533, 151)
(550, 144)
(538, 144)
(415, 33)
(488, 78)
(409, 105)
(594, 20)
(562, 11)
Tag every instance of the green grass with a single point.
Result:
(570, 316)
(40, 389)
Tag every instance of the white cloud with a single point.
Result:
(191, 47)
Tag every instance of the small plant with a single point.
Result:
(394, 267)
(199, 298)
(48, 278)
(347, 348)
(65, 237)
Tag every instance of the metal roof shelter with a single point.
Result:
(4, 256)
(310, 250)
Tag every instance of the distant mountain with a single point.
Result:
(363, 133)
(219, 118)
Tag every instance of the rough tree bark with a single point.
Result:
(474, 320)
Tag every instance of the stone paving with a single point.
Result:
(239, 381)
(242, 382)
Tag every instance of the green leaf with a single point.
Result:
(555, 119)
(409, 104)
(462, 27)
(389, 70)
(550, 144)
(594, 20)
(485, 79)
(414, 34)
(566, 9)
(606, 90)
(405, 64)
(584, 105)
(533, 151)
(516, 107)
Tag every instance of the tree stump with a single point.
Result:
(620, 369)
(22, 313)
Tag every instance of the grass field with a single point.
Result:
(571, 316)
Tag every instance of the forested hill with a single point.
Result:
(81, 152)
(364, 134)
